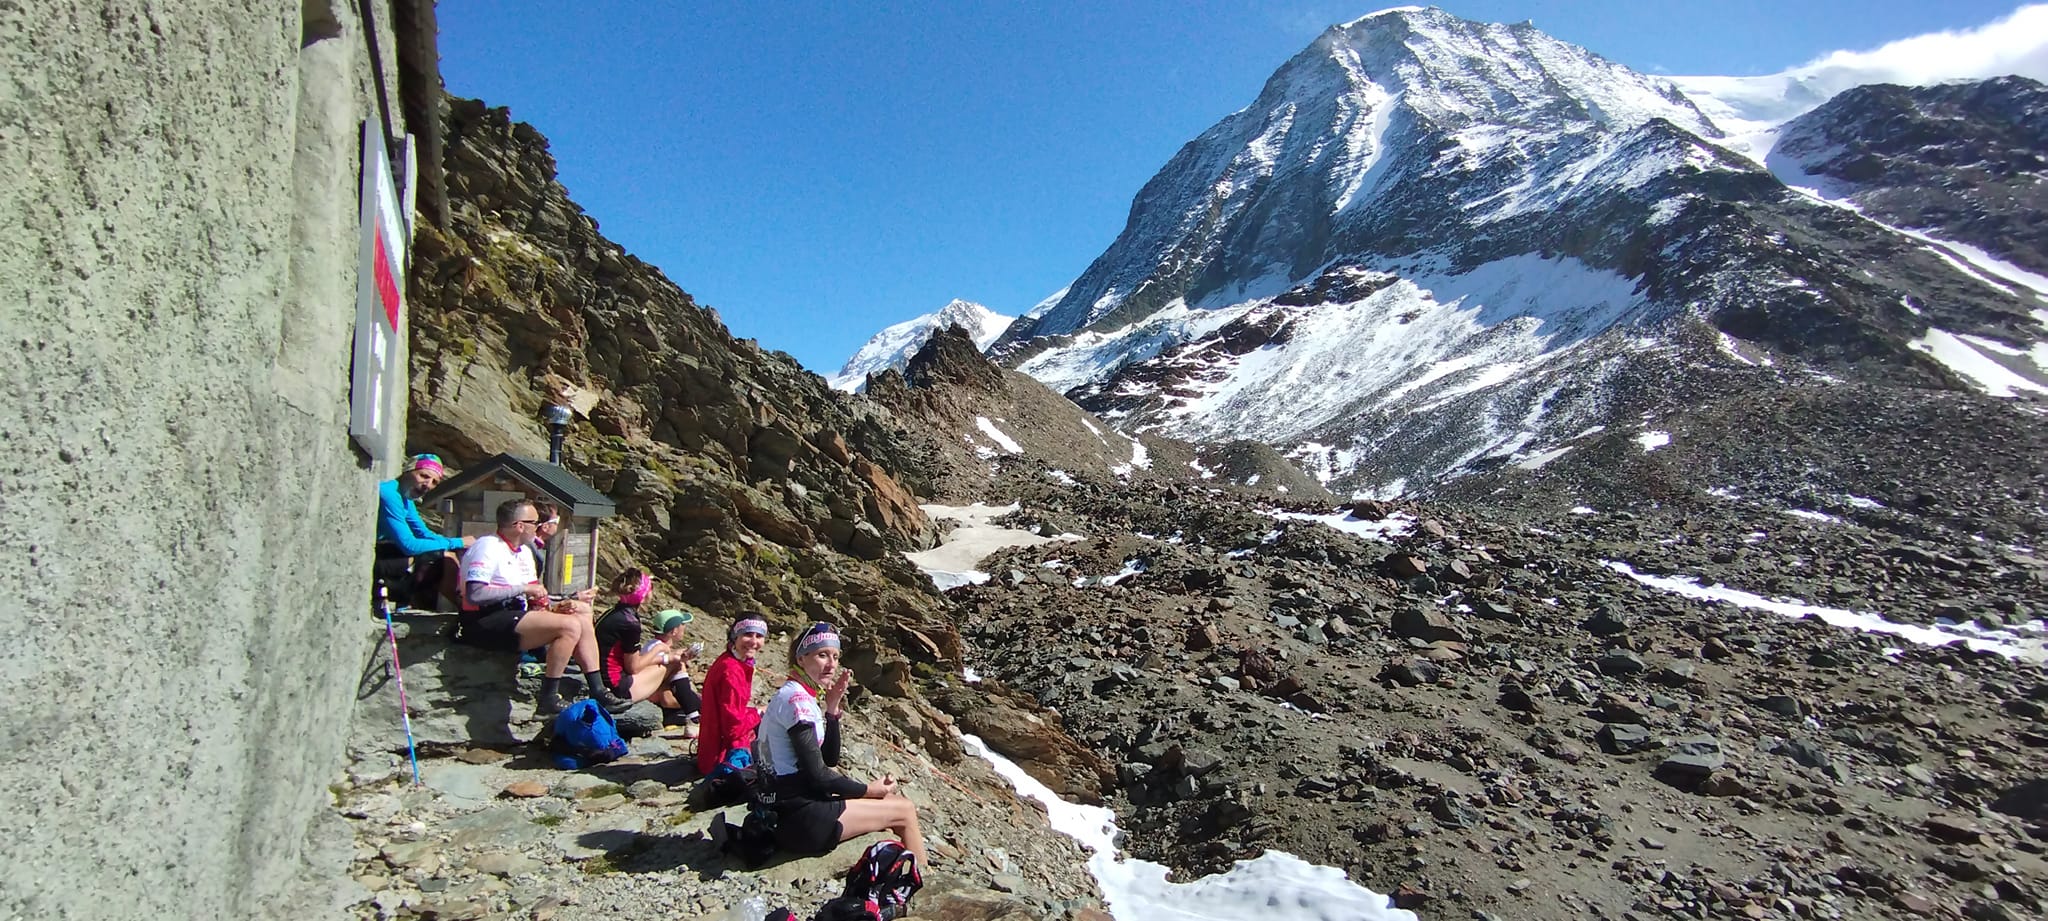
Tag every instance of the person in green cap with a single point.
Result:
(676, 693)
(652, 669)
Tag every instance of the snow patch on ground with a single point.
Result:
(1977, 359)
(1651, 441)
(1275, 886)
(951, 563)
(1811, 515)
(2010, 643)
(1386, 530)
(996, 435)
(1062, 477)
(1537, 460)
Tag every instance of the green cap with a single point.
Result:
(670, 619)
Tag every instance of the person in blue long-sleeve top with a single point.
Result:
(400, 532)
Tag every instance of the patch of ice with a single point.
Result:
(1651, 441)
(946, 581)
(1860, 502)
(996, 435)
(1252, 480)
(1812, 515)
(1275, 886)
(1582, 510)
(2002, 642)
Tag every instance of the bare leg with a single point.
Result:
(894, 813)
(561, 633)
(650, 682)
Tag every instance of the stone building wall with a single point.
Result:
(179, 496)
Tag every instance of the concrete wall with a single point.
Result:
(186, 524)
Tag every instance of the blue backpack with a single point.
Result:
(585, 735)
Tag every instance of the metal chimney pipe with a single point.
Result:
(558, 426)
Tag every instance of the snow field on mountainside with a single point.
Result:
(951, 563)
(1977, 359)
(1409, 347)
(1275, 886)
(2029, 642)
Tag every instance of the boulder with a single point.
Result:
(1428, 625)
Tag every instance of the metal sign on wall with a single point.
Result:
(378, 385)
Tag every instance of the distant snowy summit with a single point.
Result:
(1432, 247)
(892, 347)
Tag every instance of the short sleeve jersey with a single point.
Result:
(792, 704)
(491, 561)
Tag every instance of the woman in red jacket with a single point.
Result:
(729, 718)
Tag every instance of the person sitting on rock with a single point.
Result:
(577, 604)
(677, 694)
(816, 807)
(401, 532)
(504, 606)
(730, 716)
(637, 671)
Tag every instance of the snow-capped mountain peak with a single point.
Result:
(1432, 246)
(893, 346)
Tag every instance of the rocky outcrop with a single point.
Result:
(707, 442)
(985, 419)
(1961, 161)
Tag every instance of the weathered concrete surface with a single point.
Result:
(178, 494)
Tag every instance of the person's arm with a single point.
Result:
(810, 764)
(830, 748)
(482, 593)
(398, 521)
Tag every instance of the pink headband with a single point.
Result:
(750, 625)
(816, 641)
(639, 592)
(426, 464)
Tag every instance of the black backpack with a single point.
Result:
(878, 886)
(753, 842)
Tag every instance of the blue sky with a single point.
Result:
(817, 171)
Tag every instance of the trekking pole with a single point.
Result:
(398, 674)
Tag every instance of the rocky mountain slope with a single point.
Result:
(746, 485)
(1600, 714)
(1433, 246)
(892, 347)
(984, 420)
(1963, 162)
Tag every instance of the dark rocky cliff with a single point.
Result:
(1962, 161)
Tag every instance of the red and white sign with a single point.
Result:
(378, 385)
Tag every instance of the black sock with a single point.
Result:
(592, 680)
(550, 690)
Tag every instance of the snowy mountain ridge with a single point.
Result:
(1434, 246)
(893, 346)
